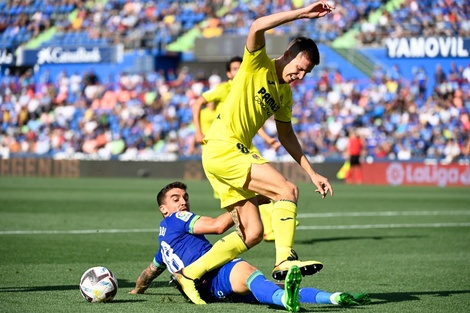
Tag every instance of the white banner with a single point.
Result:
(428, 47)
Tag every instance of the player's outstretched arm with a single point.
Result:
(146, 278)
(290, 142)
(208, 225)
(256, 40)
(273, 142)
(196, 108)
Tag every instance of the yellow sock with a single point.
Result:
(284, 217)
(266, 211)
(223, 251)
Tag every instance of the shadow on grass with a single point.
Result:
(312, 241)
(382, 298)
(412, 296)
(122, 283)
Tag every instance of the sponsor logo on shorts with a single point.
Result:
(255, 156)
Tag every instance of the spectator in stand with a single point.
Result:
(466, 73)
(421, 80)
(466, 149)
(451, 151)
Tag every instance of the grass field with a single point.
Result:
(409, 248)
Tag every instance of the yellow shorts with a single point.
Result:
(227, 166)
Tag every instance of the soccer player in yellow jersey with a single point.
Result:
(260, 89)
(213, 100)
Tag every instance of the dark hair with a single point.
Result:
(161, 195)
(307, 46)
(234, 59)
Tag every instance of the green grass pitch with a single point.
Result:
(408, 247)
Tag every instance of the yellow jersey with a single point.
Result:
(216, 95)
(255, 95)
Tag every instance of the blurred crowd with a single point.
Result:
(439, 18)
(152, 24)
(148, 115)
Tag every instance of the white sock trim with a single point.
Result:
(283, 299)
(333, 296)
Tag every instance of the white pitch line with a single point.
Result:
(149, 230)
(77, 232)
(382, 226)
(387, 213)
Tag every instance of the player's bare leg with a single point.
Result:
(267, 181)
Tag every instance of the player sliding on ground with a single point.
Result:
(182, 241)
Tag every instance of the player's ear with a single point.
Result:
(287, 54)
(287, 57)
(163, 210)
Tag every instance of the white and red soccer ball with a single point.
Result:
(98, 284)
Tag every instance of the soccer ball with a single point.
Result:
(98, 284)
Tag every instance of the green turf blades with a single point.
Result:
(65, 222)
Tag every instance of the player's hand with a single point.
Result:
(198, 137)
(275, 144)
(318, 9)
(323, 185)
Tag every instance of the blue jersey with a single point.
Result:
(179, 246)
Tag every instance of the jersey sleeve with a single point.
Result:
(217, 94)
(158, 260)
(253, 61)
(182, 221)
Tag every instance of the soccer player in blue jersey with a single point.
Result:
(182, 241)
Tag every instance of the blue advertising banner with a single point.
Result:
(428, 47)
(62, 55)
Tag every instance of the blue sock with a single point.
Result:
(312, 295)
(265, 291)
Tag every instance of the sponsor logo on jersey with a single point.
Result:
(267, 102)
(184, 215)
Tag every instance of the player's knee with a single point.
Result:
(290, 192)
(253, 238)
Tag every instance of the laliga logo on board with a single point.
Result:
(398, 174)
(58, 55)
(465, 177)
(395, 174)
